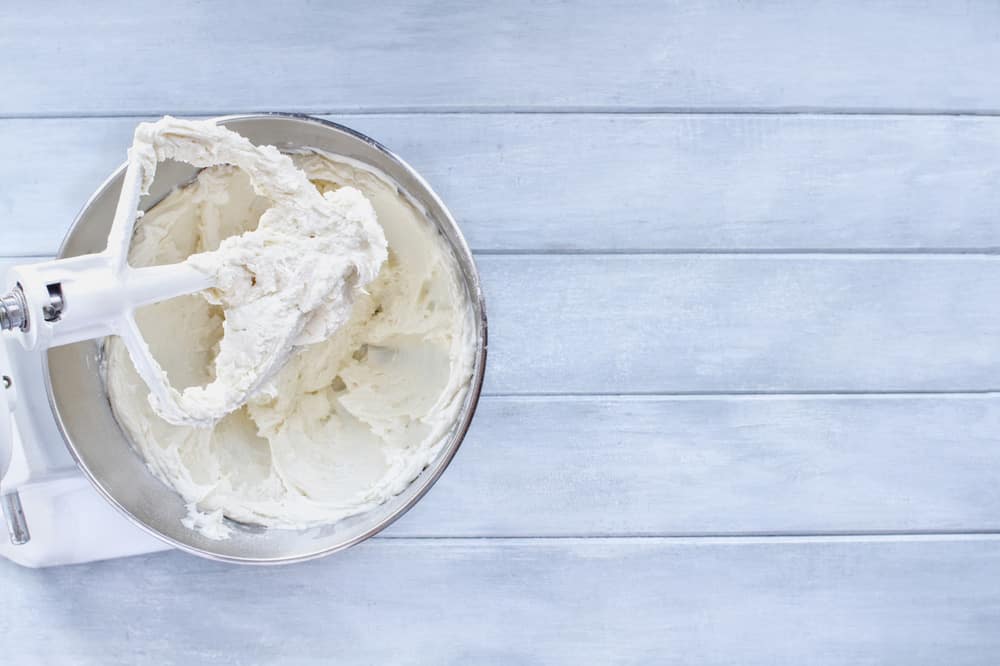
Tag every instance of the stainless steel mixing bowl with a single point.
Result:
(103, 451)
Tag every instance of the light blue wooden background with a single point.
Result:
(741, 267)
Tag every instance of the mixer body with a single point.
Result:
(52, 513)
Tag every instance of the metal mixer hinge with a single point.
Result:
(53, 310)
(14, 310)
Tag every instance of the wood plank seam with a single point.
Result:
(721, 539)
(901, 112)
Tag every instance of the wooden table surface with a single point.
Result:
(740, 263)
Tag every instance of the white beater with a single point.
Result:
(290, 282)
(63, 301)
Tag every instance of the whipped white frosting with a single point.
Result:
(290, 281)
(349, 421)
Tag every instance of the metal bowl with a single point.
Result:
(103, 451)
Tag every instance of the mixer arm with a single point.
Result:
(59, 302)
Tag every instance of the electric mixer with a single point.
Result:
(68, 521)
(50, 304)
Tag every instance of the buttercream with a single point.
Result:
(288, 282)
(348, 421)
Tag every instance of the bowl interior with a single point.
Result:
(103, 451)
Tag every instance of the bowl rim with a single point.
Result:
(473, 283)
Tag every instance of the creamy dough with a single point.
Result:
(351, 420)
(289, 282)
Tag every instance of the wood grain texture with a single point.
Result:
(733, 465)
(321, 57)
(767, 602)
(704, 323)
(530, 119)
(690, 324)
(570, 182)
(626, 324)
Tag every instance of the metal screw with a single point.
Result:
(53, 310)
(17, 526)
(13, 311)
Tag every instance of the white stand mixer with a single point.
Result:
(72, 487)
(53, 514)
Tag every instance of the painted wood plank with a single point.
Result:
(776, 323)
(766, 465)
(594, 182)
(189, 56)
(762, 602)
(619, 324)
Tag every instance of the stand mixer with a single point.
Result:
(53, 514)
(65, 464)
(55, 303)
